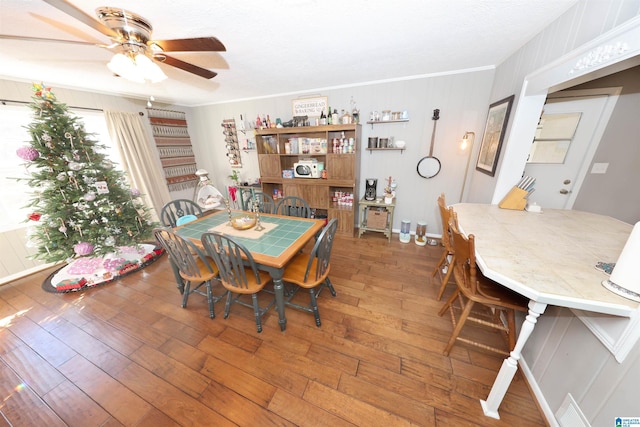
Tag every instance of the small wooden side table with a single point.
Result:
(369, 222)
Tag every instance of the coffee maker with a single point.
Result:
(370, 189)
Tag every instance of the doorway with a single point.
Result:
(558, 181)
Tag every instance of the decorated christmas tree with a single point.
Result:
(81, 205)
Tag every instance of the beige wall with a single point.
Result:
(462, 98)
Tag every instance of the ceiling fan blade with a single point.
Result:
(40, 40)
(78, 14)
(199, 44)
(190, 68)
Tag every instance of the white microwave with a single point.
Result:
(308, 169)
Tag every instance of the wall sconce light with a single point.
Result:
(466, 144)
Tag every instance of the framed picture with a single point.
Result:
(494, 135)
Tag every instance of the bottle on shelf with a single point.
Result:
(323, 118)
(334, 117)
(329, 118)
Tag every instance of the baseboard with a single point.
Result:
(24, 273)
(537, 392)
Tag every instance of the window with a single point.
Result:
(15, 195)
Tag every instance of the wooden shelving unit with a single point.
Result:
(342, 169)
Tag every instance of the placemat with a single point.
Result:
(251, 233)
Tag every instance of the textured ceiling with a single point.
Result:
(276, 47)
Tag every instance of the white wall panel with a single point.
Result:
(587, 20)
(562, 354)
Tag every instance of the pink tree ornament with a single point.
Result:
(83, 248)
(27, 153)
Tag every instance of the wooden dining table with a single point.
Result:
(272, 248)
(548, 257)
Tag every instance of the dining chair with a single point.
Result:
(311, 271)
(176, 209)
(474, 289)
(293, 206)
(239, 273)
(264, 201)
(194, 267)
(170, 222)
(443, 268)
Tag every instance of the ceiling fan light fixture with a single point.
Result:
(124, 66)
(149, 69)
(137, 68)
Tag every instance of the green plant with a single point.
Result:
(235, 177)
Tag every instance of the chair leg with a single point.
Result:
(440, 263)
(227, 305)
(449, 302)
(458, 328)
(256, 311)
(210, 299)
(176, 274)
(185, 294)
(330, 286)
(314, 306)
(447, 276)
(511, 324)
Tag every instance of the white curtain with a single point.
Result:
(140, 163)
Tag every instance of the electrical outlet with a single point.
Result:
(599, 168)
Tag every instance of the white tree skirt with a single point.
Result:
(91, 271)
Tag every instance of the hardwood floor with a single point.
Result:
(127, 354)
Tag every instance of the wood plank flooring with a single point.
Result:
(127, 354)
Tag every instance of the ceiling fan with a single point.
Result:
(131, 38)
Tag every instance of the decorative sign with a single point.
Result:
(311, 107)
(101, 186)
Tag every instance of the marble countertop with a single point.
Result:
(549, 257)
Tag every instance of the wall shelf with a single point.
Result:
(386, 149)
(382, 122)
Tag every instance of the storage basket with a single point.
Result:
(377, 218)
